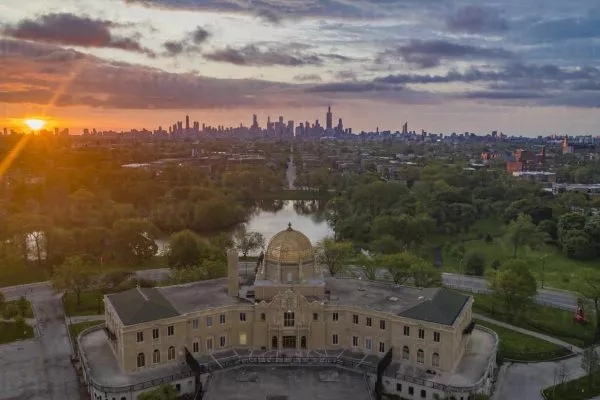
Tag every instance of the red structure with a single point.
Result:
(579, 314)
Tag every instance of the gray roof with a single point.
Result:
(443, 308)
(139, 305)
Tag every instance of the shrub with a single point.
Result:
(489, 238)
(23, 306)
(475, 264)
(20, 323)
(496, 264)
(10, 311)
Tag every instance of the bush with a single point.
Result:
(496, 264)
(23, 306)
(475, 264)
(489, 238)
(10, 311)
(20, 323)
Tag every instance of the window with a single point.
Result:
(398, 387)
(436, 336)
(411, 390)
(156, 356)
(435, 360)
(243, 339)
(209, 344)
(170, 330)
(381, 347)
(423, 394)
(420, 356)
(354, 341)
(288, 319)
(369, 321)
(222, 319)
(194, 324)
(335, 339)
(355, 319)
(421, 333)
(368, 344)
(141, 360)
(405, 353)
(171, 353)
(335, 316)
(315, 317)
(195, 347)
(155, 333)
(263, 317)
(243, 316)
(382, 324)
(407, 331)
(140, 337)
(222, 341)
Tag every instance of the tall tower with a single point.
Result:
(233, 270)
(187, 123)
(329, 119)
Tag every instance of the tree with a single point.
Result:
(23, 305)
(576, 244)
(522, 232)
(369, 266)
(134, 239)
(2, 300)
(590, 362)
(247, 242)
(475, 264)
(568, 222)
(514, 285)
(425, 275)
(458, 253)
(548, 226)
(589, 288)
(399, 265)
(163, 392)
(337, 210)
(74, 275)
(184, 249)
(334, 254)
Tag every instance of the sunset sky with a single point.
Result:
(517, 66)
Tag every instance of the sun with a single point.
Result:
(35, 124)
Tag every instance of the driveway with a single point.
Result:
(40, 368)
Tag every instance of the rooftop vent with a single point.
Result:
(393, 298)
(421, 297)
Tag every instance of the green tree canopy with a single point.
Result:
(74, 275)
(514, 284)
(184, 249)
(522, 232)
(247, 242)
(334, 255)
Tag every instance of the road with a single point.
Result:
(39, 368)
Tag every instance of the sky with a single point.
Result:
(516, 66)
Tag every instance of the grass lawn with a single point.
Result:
(9, 332)
(76, 329)
(558, 272)
(91, 303)
(520, 347)
(577, 389)
(28, 311)
(20, 276)
(547, 320)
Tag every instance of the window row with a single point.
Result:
(421, 334)
(141, 357)
(435, 357)
(155, 333)
(335, 340)
(356, 320)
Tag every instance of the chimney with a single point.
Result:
(233, 270)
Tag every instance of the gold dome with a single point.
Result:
(289, 247)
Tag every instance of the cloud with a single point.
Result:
(352, 87)
(308, 78)
(200, 35)
(191, 43)
(268, 15)
(564, 29)
(72, 30)
(174, 48)
(346, 75)
(501, 95)
(476, 19)
(255, 56)
(431, 53)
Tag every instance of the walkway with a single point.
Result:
(538, 335)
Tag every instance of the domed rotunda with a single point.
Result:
(289, 262)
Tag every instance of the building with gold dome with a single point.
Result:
(415, 342)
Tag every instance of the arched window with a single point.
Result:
(405, 353)
(171, 353)
(435, 360)
(156, 356)
(141, 360)
(420, 356)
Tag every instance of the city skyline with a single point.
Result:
(448, 66)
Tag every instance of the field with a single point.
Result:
(9, 332)
(520, 347)
(91, 303)
(577, 389)
(547, 320)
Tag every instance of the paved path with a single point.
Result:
(538, 335)
(40, 368)
(86, 318)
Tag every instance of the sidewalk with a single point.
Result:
(541, 336)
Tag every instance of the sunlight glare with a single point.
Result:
(35, 124)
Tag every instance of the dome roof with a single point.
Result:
(289, 247)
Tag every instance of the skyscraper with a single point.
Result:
(187, 123)
(329, 119)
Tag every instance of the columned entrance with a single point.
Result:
(289, 342)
